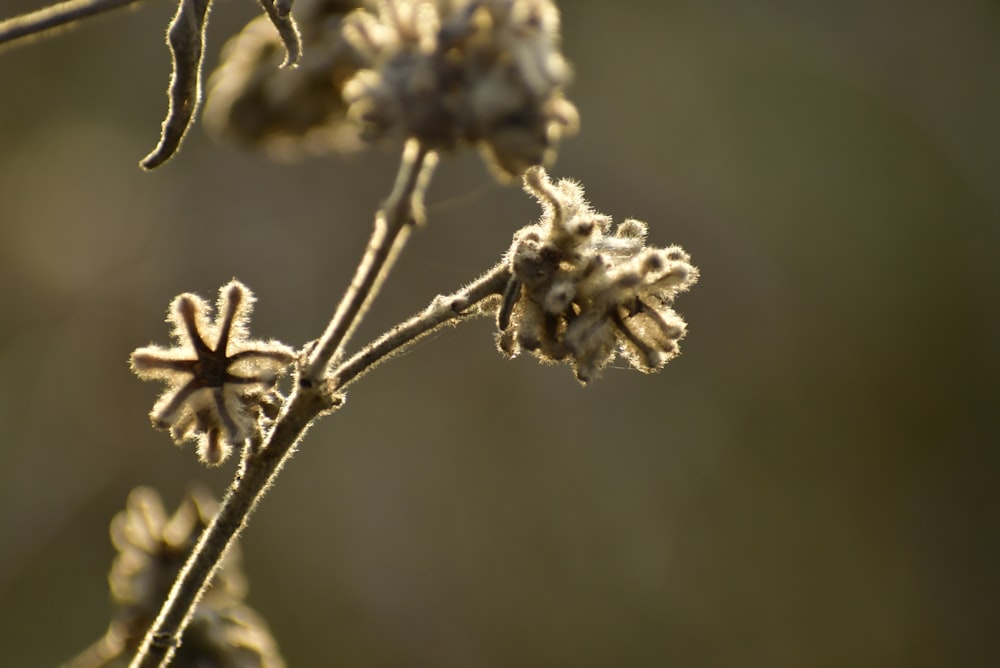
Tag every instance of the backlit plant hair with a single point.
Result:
(431, 77)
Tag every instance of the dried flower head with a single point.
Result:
(582, 291)
(219, 382)
(482, 72)
(254, 102)
(152, 548)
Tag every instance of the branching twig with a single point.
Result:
(444, 310)
(61, 15)
(403, 209)
(259, 467)
(310, 398)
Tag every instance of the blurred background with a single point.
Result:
(812, 483)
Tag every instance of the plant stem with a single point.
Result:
(255, 475)
(260, 468)
(33, 24)
(443, 310)
(310, 398)
(401, 211)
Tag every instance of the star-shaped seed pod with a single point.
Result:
(583, 292)
(219, 382)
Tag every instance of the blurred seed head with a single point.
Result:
(286, 111)
(152, 547)
(487, 73)
(482, 72)
(583, 291)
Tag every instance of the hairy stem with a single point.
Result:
(257, 471)
(444, 310)
(401, 211)
(35, 24)
(310, 398)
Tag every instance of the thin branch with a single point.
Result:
(401, 211)
(260, 466)
(444, 310)
(36, 24)
(310, 398)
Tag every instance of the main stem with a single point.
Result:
(35, 23)
(256, 472)
(309, 399)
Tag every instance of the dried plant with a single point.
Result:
(216, 393)
(433, 77)
(152, 547)
(580, 291)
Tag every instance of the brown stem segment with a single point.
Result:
(61, 15)
(261, 466)
(444, 310)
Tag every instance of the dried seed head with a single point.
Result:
(218, 380)
(584, 292)
(152, 548)
(288, 112)
(481, 72)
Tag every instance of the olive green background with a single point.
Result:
(812, 483)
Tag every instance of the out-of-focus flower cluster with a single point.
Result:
(487, 73)
(583, 291)
(220, 383)
(152, 547)
(288, 111)
(483, 72)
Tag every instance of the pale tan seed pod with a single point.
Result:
(217, 378)
(583, 293)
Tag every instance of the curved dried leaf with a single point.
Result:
(186, 40)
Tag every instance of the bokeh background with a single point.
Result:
(812, 483)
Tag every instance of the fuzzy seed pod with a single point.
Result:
(583, 292)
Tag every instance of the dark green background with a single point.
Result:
(811, 484)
